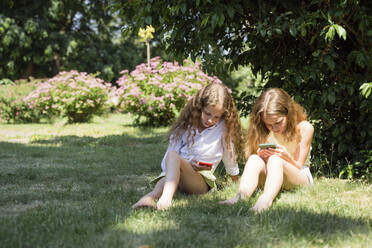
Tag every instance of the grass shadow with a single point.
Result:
(58, 191)
(204, 223)
(110, 140)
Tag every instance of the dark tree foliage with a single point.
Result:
(319, 51)
(41, 38)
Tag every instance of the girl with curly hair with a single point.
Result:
(278, 120)
(207, 131)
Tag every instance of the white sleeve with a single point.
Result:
(229, 160)
(173, 146)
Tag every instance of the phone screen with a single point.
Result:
(205, 163)
(264, 146)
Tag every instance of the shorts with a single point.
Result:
(208, 176)
(308, 174)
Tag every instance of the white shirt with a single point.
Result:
(208, 146)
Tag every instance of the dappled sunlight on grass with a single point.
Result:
(117, 124)
(147, 221)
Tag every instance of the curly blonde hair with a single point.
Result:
(273, 102)
(210, 95)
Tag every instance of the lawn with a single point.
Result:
(73, 186)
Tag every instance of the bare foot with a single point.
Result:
(163, 204)
(262, 204)
(231, 200)
(144, 202)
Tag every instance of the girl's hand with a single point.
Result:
(197, 167)
(264, 154)
(280, 151)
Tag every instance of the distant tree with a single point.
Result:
(41, 38)
(319, 51)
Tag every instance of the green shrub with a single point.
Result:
(76, 96)
(322, 58)
(13, 108)
(318, 51)
(6, 81)
(159, 92)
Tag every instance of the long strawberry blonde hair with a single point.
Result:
(273, 102)
(210, 95)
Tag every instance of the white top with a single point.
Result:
(208, 146)
(291, 146)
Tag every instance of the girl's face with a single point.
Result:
(277, 124)
(210, 115)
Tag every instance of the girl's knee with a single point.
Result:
(172, 155)
(255, 161)
(275, 161)
(172, 158)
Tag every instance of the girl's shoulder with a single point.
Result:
(306, 127)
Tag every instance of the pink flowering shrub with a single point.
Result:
(13, 109)
(160, 91)
(77, 96)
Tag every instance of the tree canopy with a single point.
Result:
(41, 38)
(319, 51)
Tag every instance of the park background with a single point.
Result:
(84, 110)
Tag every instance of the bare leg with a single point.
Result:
(249, 180)
(148, 200)
(279, 174)
(179, 172)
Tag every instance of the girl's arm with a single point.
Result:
(307, 132)
(174, 145)
(231, 165)
(303, 148)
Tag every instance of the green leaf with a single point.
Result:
(363, 133)
(331, 64)
(230, 12)
(293, 30)
(366, 89)
(204, 21)
(360, 60)
(214, 21)
(350, 89)
(298, 80)
(332, 97)
(221, 19)
(316, 53)
(6, 25)
(183, 8)
(303, 31)
(340, 31)
(330, 33)
(278, 31)
(148, 19)
(148, 7)
(263, 32)
(335, 132)
(341, 147)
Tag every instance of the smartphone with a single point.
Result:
(264, 146)
(205, 163)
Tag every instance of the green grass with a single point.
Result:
(73, 186)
